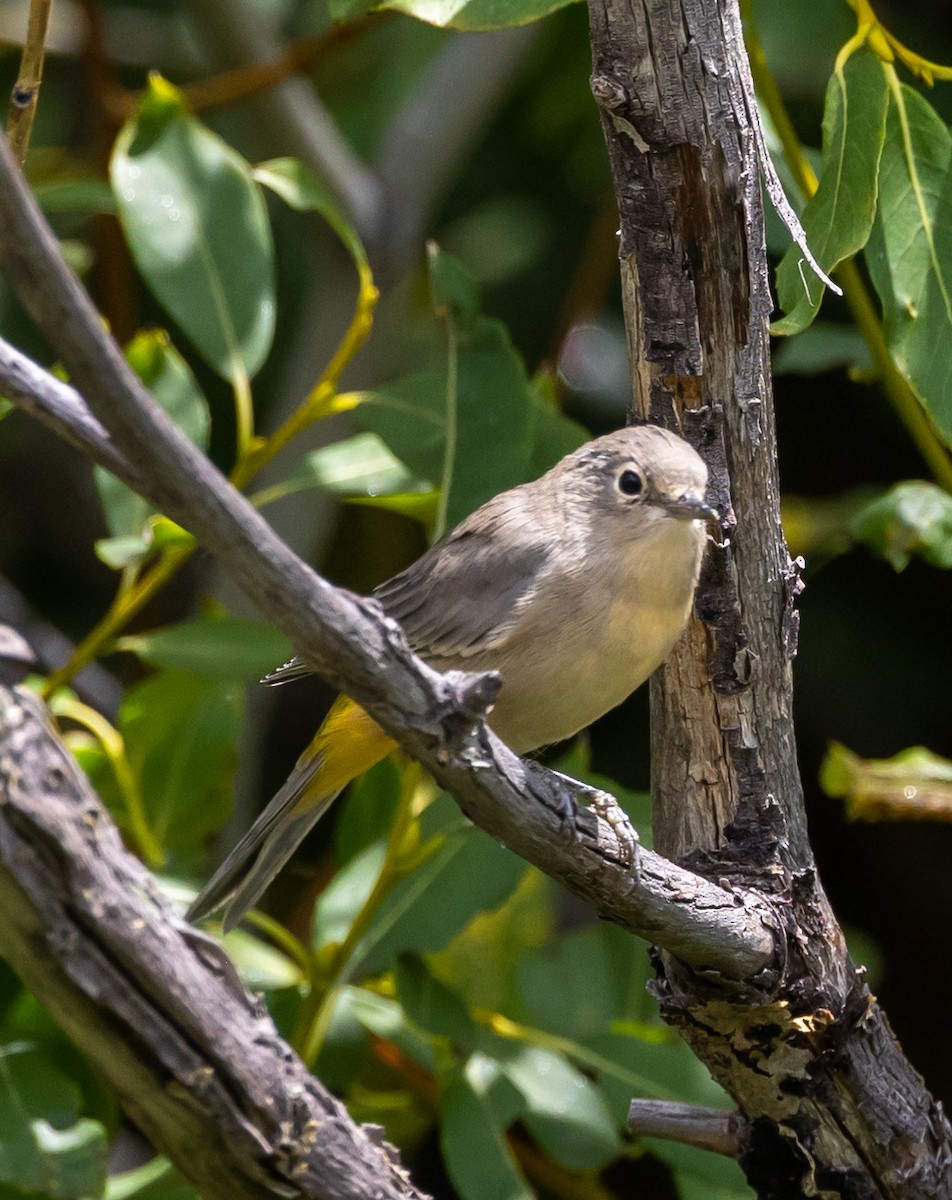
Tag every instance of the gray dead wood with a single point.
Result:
(155, 1005)
(831, 1105)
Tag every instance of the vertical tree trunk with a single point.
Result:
(832, 1107)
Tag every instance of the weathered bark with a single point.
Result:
(157, 1006)
(832, 1107)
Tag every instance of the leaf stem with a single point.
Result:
(318, 1006)
(114, 747)
(123, 609)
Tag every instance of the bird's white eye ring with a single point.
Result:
(630, 482)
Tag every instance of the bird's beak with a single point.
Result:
(690, 507)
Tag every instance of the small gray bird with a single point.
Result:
(573, 587)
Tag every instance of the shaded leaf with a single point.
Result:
(45, 1145)
(170, 380)
(472, 1138)
(564, 1110)
(467, 873)
(431, 1004)
(222, 648)
(822, 347)
(197, 226)
(302, 189)
(181, 735)
(915, 785)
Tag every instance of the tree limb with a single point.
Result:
(156, 1005)
(832, 1106)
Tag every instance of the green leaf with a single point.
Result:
(431, 1004)
(386, 1019)
(914, 785)
(553, 434)
(581, 983)
(170, 380)
(45, 1146)
(912, 518)
(466, 874)
(358, 466)
(83, 196)
(477, 1158)
(346, 895)
(181, 734)
(701, 1175)
(564, 1111)
(222, 648)
(473, 15)
(262, 967)
(910, 250)
(838, 219)
(368, 812)
(197, 226)
(500, 430)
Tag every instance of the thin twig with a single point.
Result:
(26, 90)
(711, 1129)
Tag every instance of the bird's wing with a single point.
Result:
(466, 593)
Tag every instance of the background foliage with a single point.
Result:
(294, 325)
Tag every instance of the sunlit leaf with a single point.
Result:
(838, 219)
(197, 226)
(473, 14)
(361, 466)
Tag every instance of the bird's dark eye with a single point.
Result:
(630, 483)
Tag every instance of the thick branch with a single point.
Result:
(831, 1105)
(434, 717)
(155, 1005)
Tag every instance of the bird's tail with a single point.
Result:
(347, 744)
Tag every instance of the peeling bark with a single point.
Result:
(831, 1106)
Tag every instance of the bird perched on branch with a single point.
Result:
(574, 587)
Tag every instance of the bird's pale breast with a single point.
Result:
(586, 644)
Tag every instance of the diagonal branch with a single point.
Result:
(155, 1005)
(435, 717)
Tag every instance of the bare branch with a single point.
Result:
(435, 717)
(156, 1005)
(690, 1124)
(61, 408)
